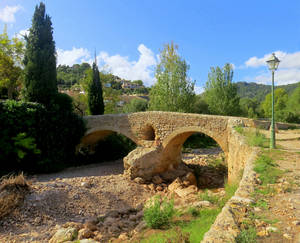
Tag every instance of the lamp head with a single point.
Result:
(273, 62)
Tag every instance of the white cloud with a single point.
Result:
(22, 33)
(288, 71)
(70, 57)
(284, 76)
(142, 69)
(287, 60)
(132, 70)
(7, 14)
(198, 89)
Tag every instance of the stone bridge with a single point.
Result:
(160, 135)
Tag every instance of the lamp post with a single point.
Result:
(273, 63)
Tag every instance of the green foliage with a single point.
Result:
(249, 107)
(40, 59)
(135, 105)
(209, 197)
(11, 75)
(280, 105)
(95, 94)
(294, 106)
(246, 236)
(199, 140)
(200, 106)
(266, 168)
(113, 147)
(256, 139)
(68, 76)
(158, 212)
(173, 90)
(22, 144)
(239, 129)
(33, 139)
(221, 93)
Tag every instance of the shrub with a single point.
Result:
(33, 138)
(256, 139)
(158, 212)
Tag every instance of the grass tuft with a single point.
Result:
(158, 212)
(247, 236)
(12, 192)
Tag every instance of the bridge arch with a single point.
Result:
(95, 134)
(172, 145)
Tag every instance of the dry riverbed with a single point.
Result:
(98, 201)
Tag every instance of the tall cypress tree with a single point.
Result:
(40, 59)
(95, 95)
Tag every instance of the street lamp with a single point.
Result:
(273, 63)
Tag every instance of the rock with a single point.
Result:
(242, 200)
(257, 209)
(190, 178)
(183, 192)
(123, 237)
(201, 204)
(86, 184)
(262, 233)
(90, 226)
(64, 234)
(157, 180)
(271, 229)
(141, 226)
(87, 241)
(159, 188)
(112, 214)
(296, 222)
(140, 214)
(175, 184)
(151, 187)
(287, 236)
(75, 225)
(98, 237)
(109, 221)
(139, 180)
(85, 233)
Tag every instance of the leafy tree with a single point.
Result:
(200, 106)
(221, 93)
(11, 54)
(294, 101)
(280, 105)
(249, 107)
(40, 59)
(95, 94)
(135, 105)
(173, 90)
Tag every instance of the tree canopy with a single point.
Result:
(40, 59)
(221, 93)
(95, 94)
(11, 54)
(173, 90)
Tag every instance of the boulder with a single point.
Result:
(64, 234)
(184, 192)
(85, 233)
(190, 178)
(175, 184)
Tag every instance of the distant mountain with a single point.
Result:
(259, 91)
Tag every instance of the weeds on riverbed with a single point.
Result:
(14, 188)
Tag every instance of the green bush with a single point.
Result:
(199, 140)
(247, 236)
(256, 139)
(34, 138)
(158, 212)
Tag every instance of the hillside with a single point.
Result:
(259, 91)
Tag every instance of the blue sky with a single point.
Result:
(128, 34)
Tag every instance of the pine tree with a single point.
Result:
(40, 59)
(95, 94)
